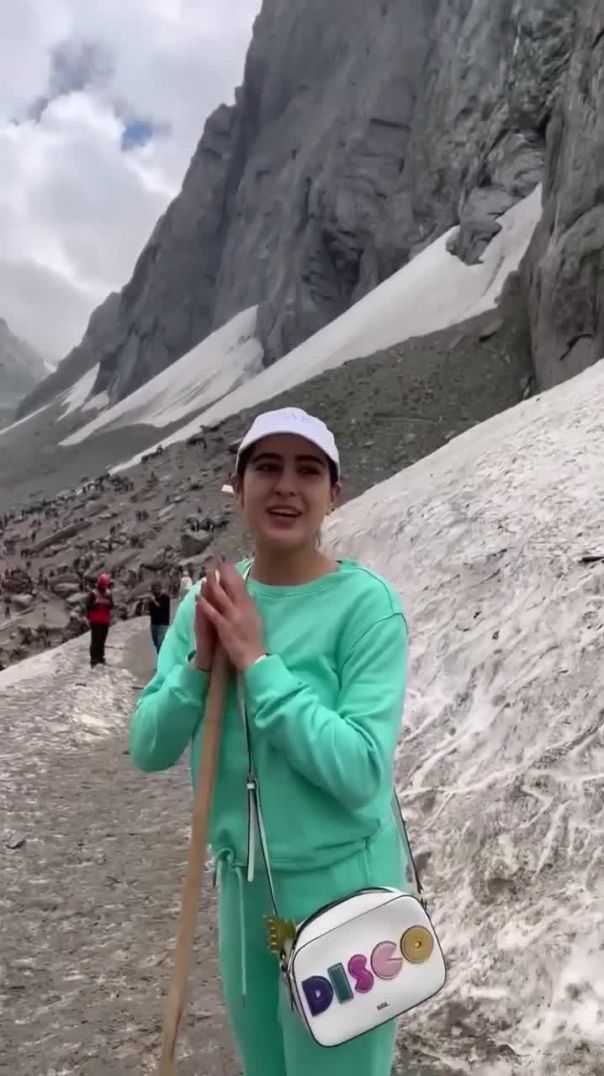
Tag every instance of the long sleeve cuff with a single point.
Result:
(267, 680)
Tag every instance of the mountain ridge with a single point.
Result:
(342, 158)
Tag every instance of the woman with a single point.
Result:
(320, 649)
(99, 606)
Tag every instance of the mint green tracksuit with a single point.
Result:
(325, 710)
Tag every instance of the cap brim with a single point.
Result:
(245, 444)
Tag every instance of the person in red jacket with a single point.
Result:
(98, 610)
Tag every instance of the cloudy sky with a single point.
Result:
(101, 105)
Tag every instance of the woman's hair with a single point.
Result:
(246, 456)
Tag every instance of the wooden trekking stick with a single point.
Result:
(177, 996)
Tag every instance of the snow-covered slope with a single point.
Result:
(502, 758)
(431, 292)
(212, 369)
(224, 374)
(78, 397)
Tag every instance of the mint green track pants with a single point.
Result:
(272, 1039)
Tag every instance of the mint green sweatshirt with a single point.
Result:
(325, 711)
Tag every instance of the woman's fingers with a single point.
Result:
(219, 599)
(231, 581)
(214, 616)
(218, 596)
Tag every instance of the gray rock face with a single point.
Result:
(80, 360)
(167, 306)
(20, 369)
(565, 266)
(344, 154)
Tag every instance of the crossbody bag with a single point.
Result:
(356, 963)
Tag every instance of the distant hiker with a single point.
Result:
(159, 613)
(99, 606)
(186, 582)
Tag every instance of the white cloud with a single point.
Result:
(75, 207)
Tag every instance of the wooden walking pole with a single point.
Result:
(176, 1001)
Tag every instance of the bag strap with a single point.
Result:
(256, 819)
(416, 881)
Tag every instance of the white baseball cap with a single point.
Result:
(292, 420)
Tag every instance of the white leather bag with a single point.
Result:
(359, 962)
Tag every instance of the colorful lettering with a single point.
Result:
(364, 980)
(383, 961)
(339, 981)
(319, 994)
(386, 963)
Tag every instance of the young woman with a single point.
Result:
(320, 648)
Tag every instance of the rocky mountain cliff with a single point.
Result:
(80, 359)
(346, 152)
(565, 268)
(20, 369)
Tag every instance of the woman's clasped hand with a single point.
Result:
(224, 610)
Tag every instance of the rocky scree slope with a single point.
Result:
(342, 156)
(144, 522)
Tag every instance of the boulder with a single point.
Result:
(215, 522)
(74, 600)
(60, 536)
(66, 589)
(156, 561)
(194, 562)
(54, 618)
(22, 601)
(194, 542)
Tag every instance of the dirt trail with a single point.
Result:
(89, 902)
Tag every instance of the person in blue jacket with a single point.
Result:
(320, 647)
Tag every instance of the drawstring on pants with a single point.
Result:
(226, 858)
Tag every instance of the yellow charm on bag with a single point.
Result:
(280, 931)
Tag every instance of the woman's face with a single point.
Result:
(286, 492)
